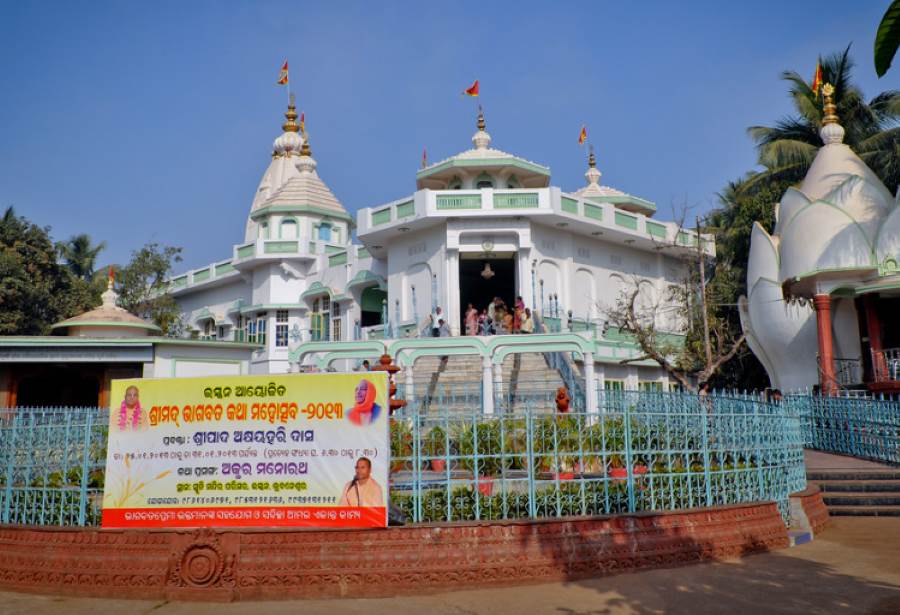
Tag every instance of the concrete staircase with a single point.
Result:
(454, 384)
(859, 492)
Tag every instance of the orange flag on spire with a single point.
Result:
(302, 122)
(283, 75)
(472, 90)
(582, 137)
(817, 79)
(424, 157)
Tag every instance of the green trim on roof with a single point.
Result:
(281, 246)
(382, 216)
(655, 229)
(299, 208)
(626, 220)
(103, 323)
(201, 275)
(516, 201)
(405, 210)
(569, 205)
(509, 161)
(593, 212)
(246, 251)
(337, 259)
(223, 268)
(458, 201)
(626, 199)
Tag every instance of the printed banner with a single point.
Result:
(305, 450)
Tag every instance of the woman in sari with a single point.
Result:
(471, 320)
(518, 313)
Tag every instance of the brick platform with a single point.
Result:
(225, 565)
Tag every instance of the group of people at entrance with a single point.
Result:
(496, 319)
(499, 319)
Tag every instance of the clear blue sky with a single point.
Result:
(154, 120)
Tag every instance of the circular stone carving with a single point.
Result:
(201, 566)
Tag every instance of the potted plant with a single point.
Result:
(490, 461)
(401, 444)
(435, 446)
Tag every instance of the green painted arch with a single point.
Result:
(582, 344)
(289, 220)
(325, 360)
(501, 354)
(366, 277)
(315, 289)
(362, 349)
(409, 358)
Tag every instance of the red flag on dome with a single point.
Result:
(283, 75)
(582, 136)
(424, 157)
(472, 90)
(817, 79)
(302, 122)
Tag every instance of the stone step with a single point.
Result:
(839, 486)
(864, 511)
(854, 475)
(862, 498)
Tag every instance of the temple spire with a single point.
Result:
(481, 139)
(592, 175)
(291, 116)
(831, 132)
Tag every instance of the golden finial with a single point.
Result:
(481, 124)
(291, 124)
(304, 149)
(830, 109)
(592, 161)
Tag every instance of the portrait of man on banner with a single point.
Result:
(365, 411)
(363, 490)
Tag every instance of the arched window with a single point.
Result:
(484, 181)
(288, 229)
(263, 230)
(325, 231)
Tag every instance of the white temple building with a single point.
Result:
(824, 287)
(480, 224)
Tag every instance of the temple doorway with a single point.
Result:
(483, 277)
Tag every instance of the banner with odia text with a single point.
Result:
(307, 450)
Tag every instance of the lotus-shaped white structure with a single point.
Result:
(836, 244)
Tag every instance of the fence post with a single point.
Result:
(417, 467)
(704, 419)
(529, 447)
(86, 455)
(628, 462)
(7, 504)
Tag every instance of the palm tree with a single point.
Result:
(871, 128)
(80, 255)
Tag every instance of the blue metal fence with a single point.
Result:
(53, 462)
(866, 428)
(642, 452)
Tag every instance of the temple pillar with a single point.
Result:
(590, 389)
(873, 330)
(498, 384)
(487, 385)
(827, 380)
(451, 308)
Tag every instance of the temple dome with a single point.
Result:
(839, 226)
(108, 320)
(483, 163)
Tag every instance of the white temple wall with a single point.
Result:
(411, 261)
(217, 300)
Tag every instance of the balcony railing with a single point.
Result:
(886, 364)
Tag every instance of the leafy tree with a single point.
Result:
(80, 255)
(711, 338)
(35, 290)
(143, 288)
(871, 128)
(887, 39)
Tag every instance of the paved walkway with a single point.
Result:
(852, 567)
(817, 460)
